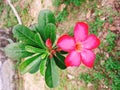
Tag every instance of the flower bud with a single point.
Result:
(48, 43)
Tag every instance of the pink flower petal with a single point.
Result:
(73, 59)
(66, 43)
(48, 43)
(88, 58)
(80, 31)
(91, 42)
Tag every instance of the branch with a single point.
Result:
(15, 11)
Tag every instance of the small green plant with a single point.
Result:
(68, 2)
(75, 2)
(110, 19)
(62, 15)
(97, 25)
(109, 74)
(1, 6)
(57, 3)
(110, 40)
(36, 49)
(113, 68)
(85, 77)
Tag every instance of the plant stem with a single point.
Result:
(15, 11)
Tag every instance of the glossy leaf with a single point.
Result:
(43, 66)
(59, 60)
(39, 40)
(35, 68)
(32, 49)
(16, 51)
(63, 52)
(51, 74)
(24, 34)
(50, 32)
(29, 63)
(45, 17)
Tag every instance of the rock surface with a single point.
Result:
(7, 70)
(7, 74)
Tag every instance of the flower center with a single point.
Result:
(78, 46)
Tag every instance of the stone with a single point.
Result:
(7, 72)
(0, 76)
(70, 76)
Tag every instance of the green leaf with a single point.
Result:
(45, 17)
(16, 51)
(71, 32)
(50, 32)
(29, 63)
(24, 34)
(63, 52)
(32, 49)
(35, 68)
(44, 55)
(43, 66)
(51, 74)
(39, 40)
(59, 60)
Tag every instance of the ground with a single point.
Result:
(102, 16)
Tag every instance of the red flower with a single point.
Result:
(80, 46)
